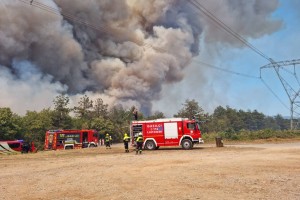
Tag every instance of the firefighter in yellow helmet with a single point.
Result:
(126, 140)
(139, 143)
(107, 141)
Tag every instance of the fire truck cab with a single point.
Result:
(70, 139)
(167, 132)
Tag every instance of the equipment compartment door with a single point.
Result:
(171, 133)
(50, 140)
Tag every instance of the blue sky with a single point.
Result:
(240, 92)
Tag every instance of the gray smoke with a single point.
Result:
(136, 47)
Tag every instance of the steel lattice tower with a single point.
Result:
(293, 92)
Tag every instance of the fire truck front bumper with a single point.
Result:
(201, 141)
(198, 141)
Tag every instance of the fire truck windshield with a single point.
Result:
(197, 126)
(191, 126)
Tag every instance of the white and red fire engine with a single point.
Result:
(70, 139)
(167, 132)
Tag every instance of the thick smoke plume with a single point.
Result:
(136, 47)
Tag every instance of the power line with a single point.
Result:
(245, 75)
(227, 71)
(211, 16)
(273, 93)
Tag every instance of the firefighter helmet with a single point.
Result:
(107, 134)
(140, 134)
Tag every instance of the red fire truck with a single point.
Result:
(167, 132)
(70, 139)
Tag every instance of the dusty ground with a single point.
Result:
(206, 172)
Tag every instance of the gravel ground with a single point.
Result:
(251, 171)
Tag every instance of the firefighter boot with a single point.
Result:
(140, 151)
(136, 152)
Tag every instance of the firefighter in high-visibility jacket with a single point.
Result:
(107, 141)
(126, 140)
(139, 143)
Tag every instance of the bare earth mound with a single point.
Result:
(206, 172)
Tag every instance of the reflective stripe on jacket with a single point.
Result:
(126, 139)
(139, 139)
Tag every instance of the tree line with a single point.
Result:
(115, 120)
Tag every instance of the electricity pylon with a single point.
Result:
(293, 92)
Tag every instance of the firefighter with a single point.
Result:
(107, 141)
(126, 140)
(25, 147)
(135, 113)
(139, 143)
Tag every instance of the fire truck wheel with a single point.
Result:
(186, 144)
(150, 145)
(92, 146)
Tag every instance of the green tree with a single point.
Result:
(191, 109)
(206, 124)
(270, 123)
(156, 115)
(35, 125)
(258, 120)
(61, 118)
(235, 121)
(121, 120)
(281, 122)
(103, 126)
(219, 121)
(84, 108)
(100, 109)
(10, 126)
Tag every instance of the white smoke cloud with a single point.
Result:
(250, 19)
(27, 88)
(137, 47)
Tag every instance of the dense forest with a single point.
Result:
(227, 122)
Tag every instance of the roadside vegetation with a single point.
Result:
(228, 123)
(246, 135)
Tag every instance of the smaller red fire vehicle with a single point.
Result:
(70, 139)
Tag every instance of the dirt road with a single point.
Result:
(206, 172)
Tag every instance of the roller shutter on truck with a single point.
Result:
(171, 130)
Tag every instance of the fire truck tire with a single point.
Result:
(186, 144)
(92, 146)
(150, 145)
